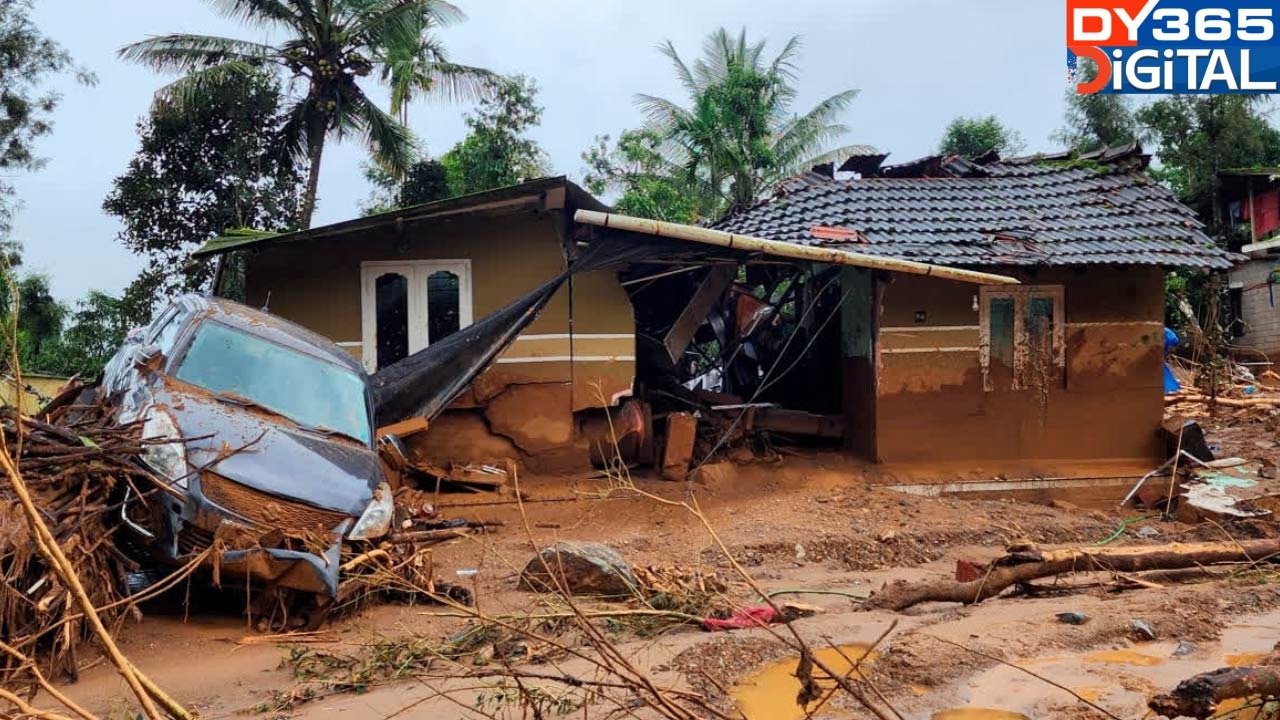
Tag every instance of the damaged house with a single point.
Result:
(1065, 366)
(1008, 311)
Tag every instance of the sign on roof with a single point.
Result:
(1174, 46)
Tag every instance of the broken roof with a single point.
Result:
(1039, 210)
(543, 193)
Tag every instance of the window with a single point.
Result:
(443, 288)
(244, 369)
(165, 331)
(407, 305)
(1021, 337)
(391, 292)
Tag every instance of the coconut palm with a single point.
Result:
(738, 136)
(424, 67)
(330, 46)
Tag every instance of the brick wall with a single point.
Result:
(1262, 320)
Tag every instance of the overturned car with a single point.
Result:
(271, 460)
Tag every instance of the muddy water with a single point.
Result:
(977, 713)
(770, 694)
(1120, 678)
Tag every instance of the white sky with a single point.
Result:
(918, 63)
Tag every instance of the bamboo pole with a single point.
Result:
(746, 243)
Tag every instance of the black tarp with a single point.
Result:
(423, 384)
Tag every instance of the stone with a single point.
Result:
(1184, 648)
(1141, 630)
(582, 568)
(1072, 618)
(1146, 532)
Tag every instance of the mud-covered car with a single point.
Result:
(273, 458)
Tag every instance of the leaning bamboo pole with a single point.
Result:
(746, 243)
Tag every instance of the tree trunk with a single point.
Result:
(1199, 696)
(316, 150)
(1026, 565)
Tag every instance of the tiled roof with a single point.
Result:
(1032, 211)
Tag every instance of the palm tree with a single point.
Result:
(331, 45)
(424, 66)
(738, 137)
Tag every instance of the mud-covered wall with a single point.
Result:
(930, 399)
(318, 284)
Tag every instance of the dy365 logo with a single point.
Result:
(1174, 46)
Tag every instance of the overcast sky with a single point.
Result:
(918, 64)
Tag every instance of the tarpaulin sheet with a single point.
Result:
(424, 383)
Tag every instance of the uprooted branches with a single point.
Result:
(1024, 564)
(63, 482)
(77, 472)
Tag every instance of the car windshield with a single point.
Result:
(314, 393)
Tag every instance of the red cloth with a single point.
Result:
(757, 616)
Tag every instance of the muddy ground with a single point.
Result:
(809, 522)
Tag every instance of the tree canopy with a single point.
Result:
(1096, 120)
(970, 137)
(497, 150)
(738, 134)
(646, 184)
(332, 46)
(201, 170)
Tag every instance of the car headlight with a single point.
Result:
(376, 520)
(168, 459)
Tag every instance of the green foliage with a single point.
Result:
(426, 181)
(635, 169)
(29, 60)
(739, 135)
(202, 170)
(95, 330)
(1097, 120)
(496, 152)
(1198, 136)
(970, 137)
(331, 46)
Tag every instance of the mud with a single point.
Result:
(807, 523)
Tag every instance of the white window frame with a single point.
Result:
(1020, 295)
(417, 272)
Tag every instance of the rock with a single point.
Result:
(1184, 648)
(582, 568)
(1146, 532)
(1073, 618)
(1141, 630)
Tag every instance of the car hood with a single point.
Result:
(268, 453)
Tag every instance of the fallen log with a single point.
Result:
(1023, 565)
(1199, 696)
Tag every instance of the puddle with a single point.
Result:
(977, 713)
(1123, 657)
(770, 694)
(1119, 680)
(1242, 659)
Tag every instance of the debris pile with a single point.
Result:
(78, 465)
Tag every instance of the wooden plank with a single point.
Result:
(404, 428)
(705, 298)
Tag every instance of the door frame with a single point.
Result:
(416, 272)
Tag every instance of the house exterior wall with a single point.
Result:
(931, 404)
(1261, 318)
(317, 284)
